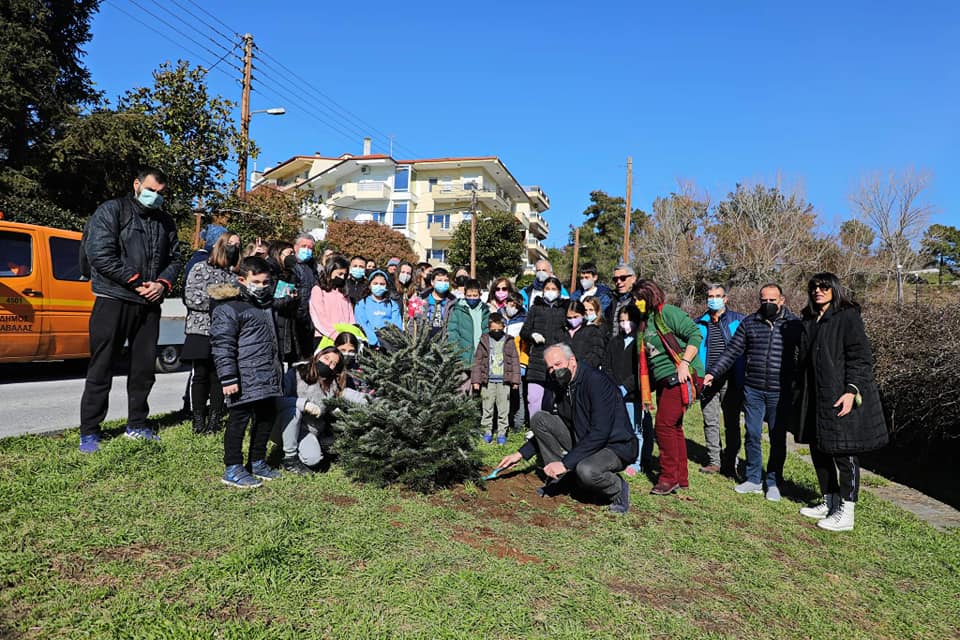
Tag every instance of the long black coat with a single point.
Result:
(588, 344)
(835, 358)
(550, 321)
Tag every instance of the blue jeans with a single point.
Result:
(643, 429)
(760, 406)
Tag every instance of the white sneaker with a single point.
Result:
(822, 509)
(841, 519)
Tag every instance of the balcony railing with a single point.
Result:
(352, 191)
(465, 189)
(535, 192)
(539, 225)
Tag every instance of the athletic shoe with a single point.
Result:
(236, 476)
(773, 493)
(263, 471)
(841, 519)
(820, 510)
(150, 435)
(621, 504)
(133, 433)
(749, 487)
(710, 469)
(487, 438)
(664, 489)
(501, 440)
(90, 444)
(295, 466)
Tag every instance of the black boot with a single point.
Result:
(199, 421)
(216, 420)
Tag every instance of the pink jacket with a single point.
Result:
(328, 308)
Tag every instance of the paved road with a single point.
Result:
(40, 398)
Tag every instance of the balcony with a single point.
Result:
(536, 249)
(358, 192)
(539, 225)
(539, 199)
(460, 190)
(440, 232)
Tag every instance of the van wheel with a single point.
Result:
(168, 358)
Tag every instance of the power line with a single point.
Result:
(230, 38)
(193, 26)
(225, 25)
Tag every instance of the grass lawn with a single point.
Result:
(143, 541)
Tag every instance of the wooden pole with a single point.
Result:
(626, 217)
(245, 113)
(473, 235)
(576, 257)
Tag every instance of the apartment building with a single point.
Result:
(424, 200)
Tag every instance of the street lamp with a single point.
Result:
(245, 138)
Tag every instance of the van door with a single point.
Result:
(68, 301)
(21, 295)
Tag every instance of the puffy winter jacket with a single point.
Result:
(728, 322)
(770, 348)
(372, 316)
(480, 370)
(243, 342)
(550, 321)
(126, 245)
(461, 329)
(196, 296)
(588, 344)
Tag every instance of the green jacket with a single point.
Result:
(461, 331)
(673, 320)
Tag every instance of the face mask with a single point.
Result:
(496, 335)
(358, 273)
(378, 290)
(404, 278)
(324, 370)
(501, 295)
(769, 310)
(627, 326)
(337, 283)
(349, 359)
(149, 199)
(304, 254)
(511, 311)
(458, 294)
(441, 287)
(472, 302)
(233, 252)
(290, 262)
(461, 280)
(574, 322)
(551, 295)
(562, 377)
(591, 318)
(260, 293)
(715, 304)
(542, 276)
(586, 284)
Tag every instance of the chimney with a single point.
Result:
(366, 146)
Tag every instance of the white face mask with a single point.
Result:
(510, 311)
(404, 278)
(551, 295)
(542, 276)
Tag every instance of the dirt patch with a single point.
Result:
(684, 599)
(486, 540)
(340, 501)
(393, 508)
(240, 609)
(396, 524)
(153, 561)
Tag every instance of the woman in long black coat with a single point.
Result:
(838, 411)
(545, 325)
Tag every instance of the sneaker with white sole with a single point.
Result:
(749, 487)
(773, 493)
(236, 476)
(820, 510)
(133, 433)
(263, 471)
(90, 443)
(841, 519)
(149, 435)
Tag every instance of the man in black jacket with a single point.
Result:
(589, 433)
(134, 256)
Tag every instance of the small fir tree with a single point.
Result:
(418, 430)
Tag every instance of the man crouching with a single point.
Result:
(587, 432)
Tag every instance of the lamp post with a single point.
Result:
(245, 141)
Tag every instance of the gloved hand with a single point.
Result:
(538, 338)
(313, 409)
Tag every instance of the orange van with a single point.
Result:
(45, 303)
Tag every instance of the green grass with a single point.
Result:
(142, 541)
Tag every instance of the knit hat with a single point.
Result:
(210, 234)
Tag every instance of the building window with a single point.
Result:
(379, 216)
(440, 255)
(401, 179)
(442, 219)
(431, 183)
(399, 215)
(466, 215)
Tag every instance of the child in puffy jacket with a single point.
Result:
(494, 372)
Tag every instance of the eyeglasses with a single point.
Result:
(621, 278)
(822, 286)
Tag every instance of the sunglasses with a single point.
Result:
(503, 289)
(822, 286)
(621, 278)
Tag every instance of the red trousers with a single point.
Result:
(668, 424)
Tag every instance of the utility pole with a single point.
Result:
(245, 112)
(626, 217)
(473, 235)
(576, 257)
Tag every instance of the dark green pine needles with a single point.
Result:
(418, 430)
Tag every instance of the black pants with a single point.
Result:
(829, 467)
(262, 412)
(205, 384)
(112, 323)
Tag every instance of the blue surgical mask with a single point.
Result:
(358, 273)
(378, 289)
(150, 199)
(304, 254)
(715, 304)
(441, 287)
(473, 302)
(591, 318)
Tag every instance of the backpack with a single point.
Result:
(125, 217)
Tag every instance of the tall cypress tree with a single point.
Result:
(418, 430)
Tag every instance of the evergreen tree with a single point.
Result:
(418, 430)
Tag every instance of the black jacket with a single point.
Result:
(621, 363)
(835, 358)
(123, 255)
(550, 321)
(306, 279)
(588, 344)
(285, 312)
(243, 342)
(599, 419)
(771, 350)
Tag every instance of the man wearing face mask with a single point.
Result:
(131, 247)
(590, 285)
(717, 327)
(304, 268)
(769, 338)
(534, 290)
(587, 434)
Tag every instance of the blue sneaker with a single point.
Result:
(501, 440)
(263, 471)
(133, 434)
(90, 444)
(149, 435)
(488, 438)
(236, 476)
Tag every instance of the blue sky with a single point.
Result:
(820, 94)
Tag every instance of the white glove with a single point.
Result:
(313, 409)
(538, 338)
